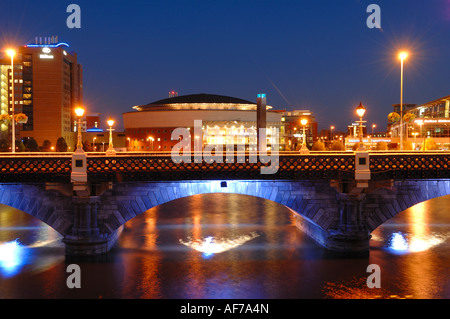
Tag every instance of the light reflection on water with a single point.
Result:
(237, 246)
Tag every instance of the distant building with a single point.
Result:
(431, 120)
(93, 122)
(293, 129)
(225, 120)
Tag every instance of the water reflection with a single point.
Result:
(232, 246)
(11, 257)
(417, 229)
(23, 240)
(210, 245)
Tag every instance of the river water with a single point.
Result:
(229, 246)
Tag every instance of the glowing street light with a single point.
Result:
(151, 139)
(111, 150)
(361, 110)
(402, 56)
(331, 132)
(12, 53)
(304, 149)
(79, 111)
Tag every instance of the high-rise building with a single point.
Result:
(6, 92)
(52, 88)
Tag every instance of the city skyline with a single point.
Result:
(303, 55)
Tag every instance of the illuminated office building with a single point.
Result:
(52, 88)
(6, 93)
(431, 120)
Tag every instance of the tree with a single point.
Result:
(337, 146)
(318, 146)
(407, 145)
(20, 146)
(381, 146)
(32, 145)
(4, 145)
(87, 146)
(430, 145)
(356, 146)
(61, 145)
(46, 146)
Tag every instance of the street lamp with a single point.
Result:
(402, 56)
(361, 110)
(421, 134)
(79, 111)
(110, 150)
(304, 149)
(93, 143)
(151, 139)
(12, 53)
(331, 131)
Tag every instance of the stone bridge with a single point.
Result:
(337, 198)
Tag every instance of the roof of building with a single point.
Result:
(200, 98)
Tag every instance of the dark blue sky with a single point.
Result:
(316, 54)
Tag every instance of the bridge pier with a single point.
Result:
(85, 238)
(351, 235)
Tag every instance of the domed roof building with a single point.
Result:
(149, 127)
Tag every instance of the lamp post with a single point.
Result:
(12, 53)
(110, 150)
(373, 126)
(304, 149)
(360, 110)
(151, 139)
(331, 132)
(79, 111)
(93, 143)
(402, 56)
(421, 134)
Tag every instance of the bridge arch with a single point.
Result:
(41, 201)
(384, 203)
(316, 200)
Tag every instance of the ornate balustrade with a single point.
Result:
(35, 167)
(162, 167)
(57, 167)
(411, 165)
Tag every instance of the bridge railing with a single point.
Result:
(35, 167)
(138, 166)
(409, 165)
(57, 167)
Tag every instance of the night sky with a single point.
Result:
(317, 54)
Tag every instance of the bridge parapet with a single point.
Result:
(140, 167)
(57, 167)
(409, 165)
(35, 167)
